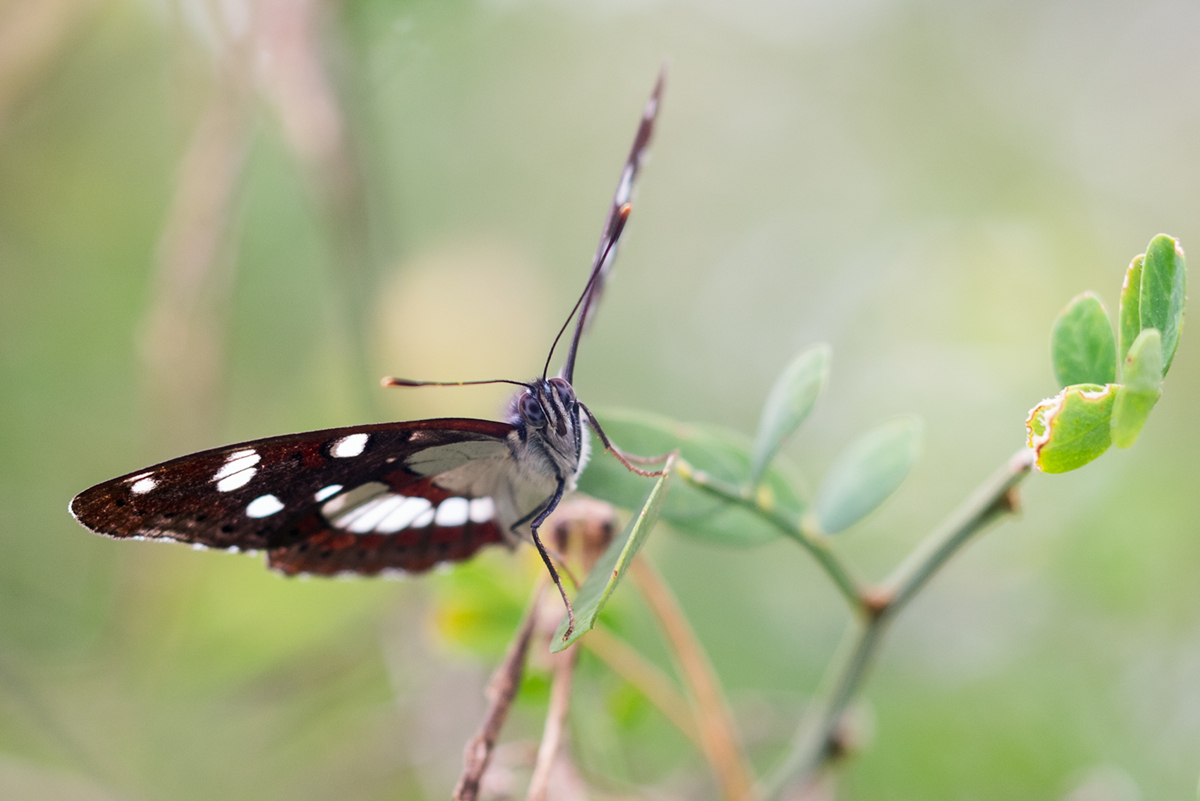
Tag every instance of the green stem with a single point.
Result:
(989, 501)
(814, 542)
(816, 739)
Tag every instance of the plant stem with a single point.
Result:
(560, 699)
(718, 735)
(814, 542)
(993, 498)
(816, 740)
(501, 690)
(646, 677)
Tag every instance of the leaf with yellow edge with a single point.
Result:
(1072, 428)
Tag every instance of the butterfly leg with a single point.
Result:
(626, 459)
(547, 508)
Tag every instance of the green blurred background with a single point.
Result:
(221, 221)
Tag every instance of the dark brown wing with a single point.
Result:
(319, 501)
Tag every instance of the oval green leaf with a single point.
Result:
(1082, 345)
(722, 453)
(1164, 286)
(867, 472)
(1130, 314)
(789, 403)
(606, 575)
(1072, 428)
(1141, 390)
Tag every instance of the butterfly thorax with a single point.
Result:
(548, 440)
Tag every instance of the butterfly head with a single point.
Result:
(548, 405)
(547, 421)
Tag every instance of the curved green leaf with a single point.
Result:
(789, 403)
(1164, 286)
(1141, 390)
(867, 472)
(722, 453)
(1072, 428)
(1130, 313)
(1082, 345)
(600, 583)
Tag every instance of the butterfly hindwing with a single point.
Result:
(359, 499)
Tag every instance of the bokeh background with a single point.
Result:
(222, 220)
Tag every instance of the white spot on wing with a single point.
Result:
(325, 492)
(237, 462)
(372, 514)
(237, 471)
(263, 506)
(403, 515)
(352, 498)
(424, 519)
(452, 512)
(351, 516)
(143, 485)
(351, 445)
(482, 510)
(237, 480)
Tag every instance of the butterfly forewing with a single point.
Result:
(359, 499)
(606, 251)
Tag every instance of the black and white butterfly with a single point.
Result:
(393, 496)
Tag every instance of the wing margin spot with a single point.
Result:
(351, 445)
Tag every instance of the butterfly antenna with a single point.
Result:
(569, 369)
(392, 381)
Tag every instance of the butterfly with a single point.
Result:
(400, 496)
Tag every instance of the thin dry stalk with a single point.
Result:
(556, 714)
(183, 341)
(500, 692)
(33, 36)
(294, 78)
(717, 730)
(624, 660)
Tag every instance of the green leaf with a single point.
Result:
(722, 453)
(789, 403)
(867, 472)
(1130, 313)
(1082, 345)
(1072, 428)
(1164, 285)
(1141, 390)
(607, 573)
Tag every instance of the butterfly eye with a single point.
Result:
(564, 391)
(531, 411)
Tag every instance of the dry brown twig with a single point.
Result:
(556, 713)
(658, 688)
(501, 690)
(34, 35)
(182, 339)
(582, 530)
(718, 733)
